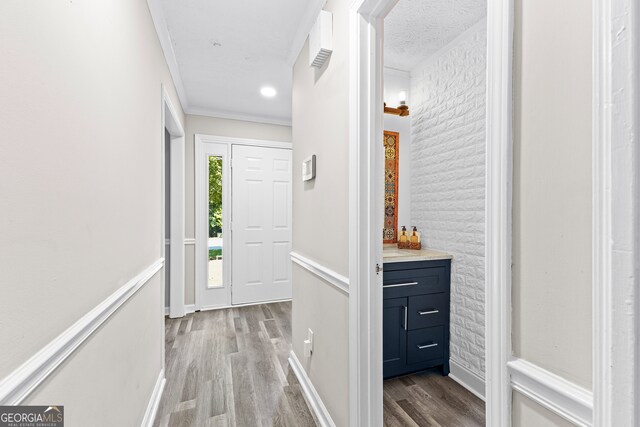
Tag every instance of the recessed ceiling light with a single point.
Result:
(268, 92)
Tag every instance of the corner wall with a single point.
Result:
(448, 111)
(80, 196)
(320, 215)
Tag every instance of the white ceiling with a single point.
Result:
(416, 29)
(225, 51)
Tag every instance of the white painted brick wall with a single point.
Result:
(447, 179)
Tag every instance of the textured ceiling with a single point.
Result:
(227, 50)
(416, 29)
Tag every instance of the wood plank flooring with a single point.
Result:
(429, 399)
(229, 368)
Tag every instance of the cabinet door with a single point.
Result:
(394, 336)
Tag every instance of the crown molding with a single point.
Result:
(160, 23)
(313, 9)
(195, 111)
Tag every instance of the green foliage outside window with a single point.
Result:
(215, 196)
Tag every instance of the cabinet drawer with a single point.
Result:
(428, 310)
(404, 283)
(425, 344)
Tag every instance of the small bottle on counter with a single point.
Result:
(415, 239)
(403, 235)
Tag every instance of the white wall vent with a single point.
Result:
(321, 39)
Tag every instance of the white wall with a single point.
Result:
(552, 187)
(394, 82)
(320, 215)
(218, 127)
(80, 196)
(447, 179)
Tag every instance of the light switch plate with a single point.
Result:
(309, 168)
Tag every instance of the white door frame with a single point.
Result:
(365, 210)
(201, 272)
(616, 214)
(498, 209)
(171, 123)
(365, 163)
(221, 293)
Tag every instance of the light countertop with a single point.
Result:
(391, 253)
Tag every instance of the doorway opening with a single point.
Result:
(425, 342)
(434, 88)
(243, 221)
(173, 209)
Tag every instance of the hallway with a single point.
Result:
(229, 368)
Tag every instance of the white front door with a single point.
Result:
(261, 229)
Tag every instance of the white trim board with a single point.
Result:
(171, 123)
(249, 304)
(498, 219)
(188, 308)
(195, 111)
(312, 396)
(467, 379)
(154, 401)
(160, 24)
(335, 279)
(26, 378)
(365, 200)
(616, 211)
(216, 139)
(553, 392)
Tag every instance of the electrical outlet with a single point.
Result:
(308, 344)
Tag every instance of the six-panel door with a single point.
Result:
(261, 225)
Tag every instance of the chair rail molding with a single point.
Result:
(26, 378)
(568, 400)
(328, 275)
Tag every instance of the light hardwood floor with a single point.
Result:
(229, 368)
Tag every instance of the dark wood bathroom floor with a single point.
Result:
(429, 399)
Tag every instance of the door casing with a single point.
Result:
(201, 234)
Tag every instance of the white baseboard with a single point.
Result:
(313, 398)
(154, 401)
(21, 382)
(248, 304)
(189, 308)
(467, 379)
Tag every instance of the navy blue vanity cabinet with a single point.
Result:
(415, 331)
